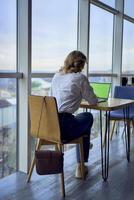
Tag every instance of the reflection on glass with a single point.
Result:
(100, 43)
(110, 3)
(7, 35)
(54, 33)
(129, 8)
(7, 126)
(128, 48)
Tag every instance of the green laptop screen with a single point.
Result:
(101, 89)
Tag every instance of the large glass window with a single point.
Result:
(100, 43)
(7, 87)
(54, 33)
(7, 35)
(128, 48)
(129, 8)
(7, 126)
(100, 50)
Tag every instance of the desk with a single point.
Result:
(110, 105)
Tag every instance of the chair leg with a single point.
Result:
(112, 132)
(62, 174)
(62, 184)
(38, 145)
(133, 124)
(124, 129)
(82, 158)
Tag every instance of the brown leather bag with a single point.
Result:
(48, 162)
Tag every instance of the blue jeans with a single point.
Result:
(72, 127)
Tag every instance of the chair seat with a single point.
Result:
(74, 141)
(118, 114)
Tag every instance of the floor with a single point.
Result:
(120, 185)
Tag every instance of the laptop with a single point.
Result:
(101, 90)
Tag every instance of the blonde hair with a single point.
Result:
(74, 62)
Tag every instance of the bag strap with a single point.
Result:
(40, 118)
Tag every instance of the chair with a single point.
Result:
(132, 80)
(124, 81)
(122, 92)
(45, 127)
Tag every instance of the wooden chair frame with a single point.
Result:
(40, 108)
(131, 121)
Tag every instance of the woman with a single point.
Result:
(70, 86)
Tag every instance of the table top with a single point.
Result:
(111, 104)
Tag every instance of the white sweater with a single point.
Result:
(69, 89)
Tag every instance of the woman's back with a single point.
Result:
(69, 89)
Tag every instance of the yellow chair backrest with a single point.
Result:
(44, 118)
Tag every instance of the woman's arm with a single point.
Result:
(87, 91)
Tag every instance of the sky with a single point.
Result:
(54, 35)
(7, 34)
(55, 24)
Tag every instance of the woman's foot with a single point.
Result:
(78, 173)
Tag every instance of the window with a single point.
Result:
(7, 126)
(7, 87)
(100, 43)
(128, 48)
(7, 35)
(54, 33)
(128, 8)
(100, 50)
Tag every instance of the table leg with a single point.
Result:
(127, 131)
(105, 147)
